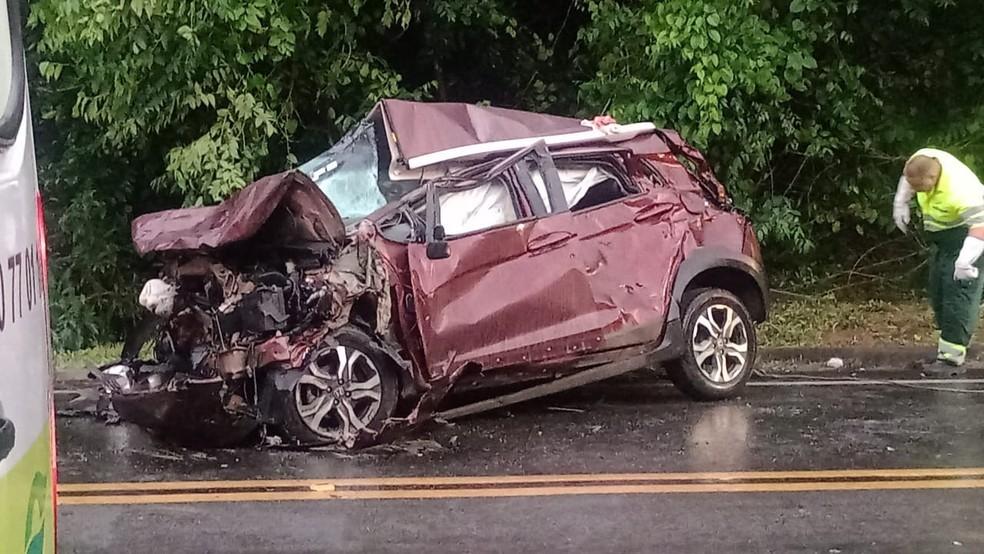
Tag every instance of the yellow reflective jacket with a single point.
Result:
(958, 198)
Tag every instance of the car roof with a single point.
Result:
(423, 134)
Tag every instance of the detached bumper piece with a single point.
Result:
(191, 412)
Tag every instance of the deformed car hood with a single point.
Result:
(294, 207)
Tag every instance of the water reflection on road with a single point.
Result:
(721, 437)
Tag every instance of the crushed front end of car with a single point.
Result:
(248, 294)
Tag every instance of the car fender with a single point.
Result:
(704, 264)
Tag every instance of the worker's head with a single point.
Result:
(923, 172)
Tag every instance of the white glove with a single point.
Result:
(900, 208)
(964, 268)
(964, 273)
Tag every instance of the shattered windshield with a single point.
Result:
(348, 173)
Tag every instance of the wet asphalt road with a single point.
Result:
(628, 461)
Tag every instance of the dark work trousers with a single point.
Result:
(956, 304)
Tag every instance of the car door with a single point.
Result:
(494, 287)
(629, 244)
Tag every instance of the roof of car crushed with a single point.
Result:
(422, 128)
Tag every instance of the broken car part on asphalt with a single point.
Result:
(440, 248)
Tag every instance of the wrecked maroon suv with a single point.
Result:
(436, 249)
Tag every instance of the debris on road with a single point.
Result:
(562, 409)
(414, 447)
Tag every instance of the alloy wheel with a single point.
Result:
(720, 344)
(339, 394)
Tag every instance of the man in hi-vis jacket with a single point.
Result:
(951, 199)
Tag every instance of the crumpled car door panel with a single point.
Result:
(505, 296)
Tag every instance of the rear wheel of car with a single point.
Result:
(719, 346)
(349, 387)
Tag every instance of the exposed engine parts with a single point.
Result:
(224, 328)
(221, 314)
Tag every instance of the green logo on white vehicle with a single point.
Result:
(27, 514)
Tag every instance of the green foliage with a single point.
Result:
(90, 197)
(807, 108)
(145, 104)
(212, 84)
(77, 363)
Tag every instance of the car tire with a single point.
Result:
(719, 343)
(329, 406)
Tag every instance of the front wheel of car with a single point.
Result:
(720, 345)
(347, 390)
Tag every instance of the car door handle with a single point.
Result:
(548, 241)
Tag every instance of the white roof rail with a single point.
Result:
(618, 133)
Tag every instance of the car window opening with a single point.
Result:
(469, 206)
(587, 185)
(353, 173)
(477, 208)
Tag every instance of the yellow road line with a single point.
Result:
(512, 492)
(526, 479)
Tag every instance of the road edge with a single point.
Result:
(885, 357)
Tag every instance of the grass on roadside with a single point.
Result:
(79, 360)
(830, 321)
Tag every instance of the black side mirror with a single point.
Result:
(437, 248)
(6, 437)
